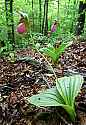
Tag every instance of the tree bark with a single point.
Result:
(40, 13)
(9, 20)
(33, 15)
(81, 18)
(45, 18)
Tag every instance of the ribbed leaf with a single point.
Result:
(51, 97)
(62, 48)
(51, 52)
(69, 87)
(55, 53)
(63, 94)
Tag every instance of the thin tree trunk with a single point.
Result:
(40, 13)
(33, 15)
(58, 9)
(45, 18)
(73, 20)
(81, 18)
(12, 20)
(9, 20)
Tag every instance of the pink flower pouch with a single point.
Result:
(53, 28)
(21, 28)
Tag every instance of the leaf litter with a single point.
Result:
(28, 76)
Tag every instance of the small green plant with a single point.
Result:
(39, 38)
(63, 94)
(8, 47)
(55, 53)
(12, 57)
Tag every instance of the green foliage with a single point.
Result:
(8, 47)
(67, 88)
(65, 13)
(39, 38)
(12, 57)
(55, 53)
(22, 41)
(3, 33)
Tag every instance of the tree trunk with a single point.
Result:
(58, 9)
(40, 13)
(81, 18)
(9, 20)
(32, 16)
(45, 18)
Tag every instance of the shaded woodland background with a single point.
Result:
(40, 14)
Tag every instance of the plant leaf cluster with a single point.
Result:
(55, 53)
(63, 94)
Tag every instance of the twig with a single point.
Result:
(46, 81)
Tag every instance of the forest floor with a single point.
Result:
(28, 76)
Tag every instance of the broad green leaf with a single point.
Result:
(55, 53)
(50, 97)
(51, 52)
(63, 94)
(69, 87)
(62, 48)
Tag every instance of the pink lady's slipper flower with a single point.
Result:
(54, 27)
(21, 28)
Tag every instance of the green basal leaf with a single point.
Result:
(71, 111)
(62, 48)
(55, 53)
(63, 94)
(51, 52)
(69, 87)
(50, 97)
